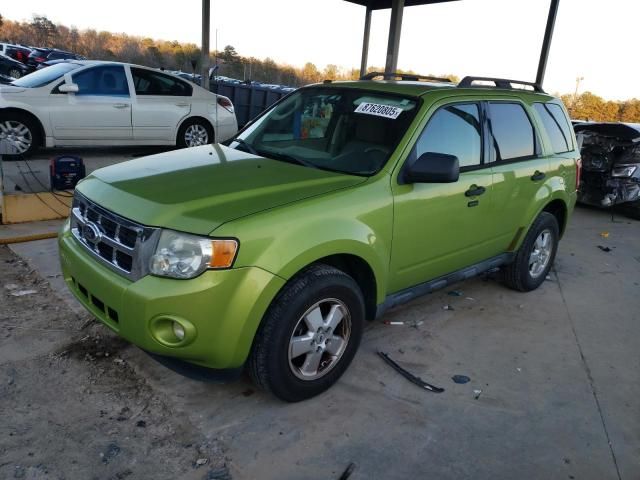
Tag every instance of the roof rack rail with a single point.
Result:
(499, 83)
(405, 76)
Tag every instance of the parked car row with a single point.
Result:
(18, 60)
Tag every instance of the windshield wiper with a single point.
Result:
(291, 159)
(247, 145)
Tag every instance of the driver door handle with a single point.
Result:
(120, 105)
(474, 191)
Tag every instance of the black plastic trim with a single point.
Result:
(197, 372)
(408, 294)
(505, 83)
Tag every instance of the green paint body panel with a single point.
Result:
(287, 217)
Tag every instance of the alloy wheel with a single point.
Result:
(319, 339)
(541, 253)
(196, 135)
(17, 134)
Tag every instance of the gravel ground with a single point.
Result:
(71, 407)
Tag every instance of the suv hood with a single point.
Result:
(198, 189)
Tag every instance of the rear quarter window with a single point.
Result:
(556, 125)
(513, 134)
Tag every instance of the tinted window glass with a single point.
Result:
(454, 130)
(560, 117)
(148, 82)
(107, 80)
(560, 142)
(512, 131)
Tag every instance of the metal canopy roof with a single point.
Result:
(380, 4)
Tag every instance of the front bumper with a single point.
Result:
(222, 309)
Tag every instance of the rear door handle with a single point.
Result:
(474, 191)
(538, 175)
(120, 105)
(182, 104)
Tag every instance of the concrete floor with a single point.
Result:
(558, 370)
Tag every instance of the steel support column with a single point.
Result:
(546, 43)
(365, 42)
(204, 53)
(395, 28)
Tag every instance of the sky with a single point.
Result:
(499, 38)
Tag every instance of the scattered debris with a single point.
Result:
(604, 234)
(22, 293)
(518, 369)
(416, 323)
(11, 286)
(476, 394)
(409, 376)
(461, 379)
(112, 451)
(448, 307)
(455, 293)
(348, 471)
(471, 298)
(387, 322)
(201, 461)
(604, 249)
(141, 424)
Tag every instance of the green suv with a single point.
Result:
(341, 201)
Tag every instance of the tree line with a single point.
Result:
(174, 55)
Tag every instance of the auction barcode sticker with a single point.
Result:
(378, 110)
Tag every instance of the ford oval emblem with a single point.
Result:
(92, 233)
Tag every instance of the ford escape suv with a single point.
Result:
(341, 201)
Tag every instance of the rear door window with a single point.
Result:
(453, 130)
(148, 82)
(513, 133)
(557, 126)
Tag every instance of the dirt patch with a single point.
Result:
(72, 407)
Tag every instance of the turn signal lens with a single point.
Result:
(224, 252)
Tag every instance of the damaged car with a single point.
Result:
(610, 165)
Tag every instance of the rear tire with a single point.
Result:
(535, 256)
(21, 132)
(194, 133)
(295, 361)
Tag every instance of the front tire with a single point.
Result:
(194, 133)
(309, 334)
(535, 256)
(21, 133)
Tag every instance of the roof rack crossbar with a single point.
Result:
(404, 76)
(499, 83)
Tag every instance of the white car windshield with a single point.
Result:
(40, 78)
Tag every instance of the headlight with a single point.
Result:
(624, 170)
(181, 255)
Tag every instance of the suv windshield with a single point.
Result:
(39, 78)
(339, 129)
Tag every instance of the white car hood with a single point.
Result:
(11, 89)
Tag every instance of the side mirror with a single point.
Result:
(69, 88)
(433, 167)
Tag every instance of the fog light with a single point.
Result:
(178, 330)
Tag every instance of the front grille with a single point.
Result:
(119, 243)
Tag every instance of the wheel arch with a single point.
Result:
(39, 124)
(558, 208)
(195, 117)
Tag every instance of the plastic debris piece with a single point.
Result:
(471, 299)
(604, 249)
(448, 307)
(460, 379)
(348, 471)
(202, 461)
(409, 376)
(518, 369)
(387, 322)
(604, 234)
(11, 286)
(455, 293)
(476, 394)
(22, 293)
